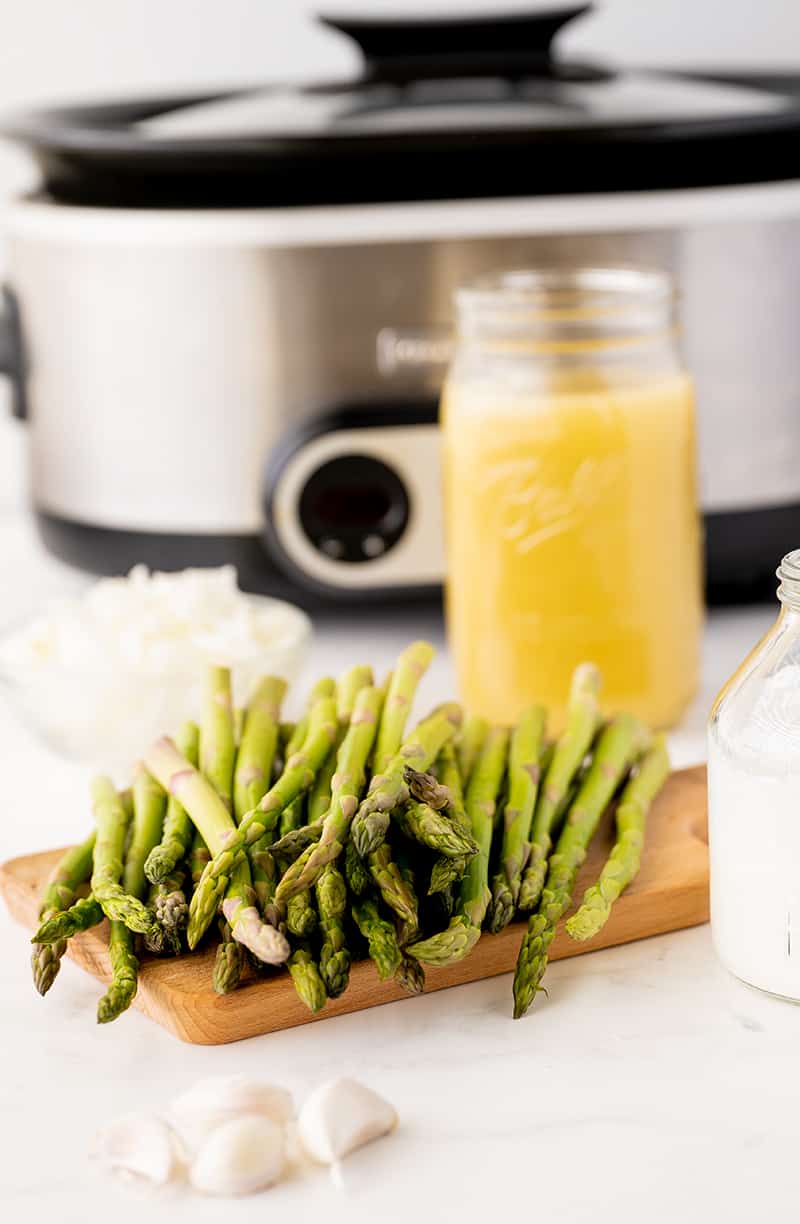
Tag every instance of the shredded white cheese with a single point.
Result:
(101, 673)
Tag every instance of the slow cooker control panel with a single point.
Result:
(354, 508)
(353, 504)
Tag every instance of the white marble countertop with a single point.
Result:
(648, 1085)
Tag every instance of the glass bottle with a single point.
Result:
(571, 514)
(754, 805)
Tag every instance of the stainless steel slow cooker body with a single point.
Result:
(171, 355)
(259, 383)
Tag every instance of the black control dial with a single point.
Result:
(354, 508)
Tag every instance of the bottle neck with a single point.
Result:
(788, 574)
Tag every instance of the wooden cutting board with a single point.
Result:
(670, 892)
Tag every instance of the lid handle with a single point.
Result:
(403, 49)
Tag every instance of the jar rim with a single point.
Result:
(600, 286)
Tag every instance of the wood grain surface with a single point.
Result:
(670, 892)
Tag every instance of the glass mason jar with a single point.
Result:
(753, 805)
(571, 514)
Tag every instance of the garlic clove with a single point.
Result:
(138, 1146)
(218, 1099)
(341, 1116)
(240, 1157)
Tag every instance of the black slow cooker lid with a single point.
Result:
(444, 109)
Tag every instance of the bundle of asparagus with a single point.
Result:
(346, 836)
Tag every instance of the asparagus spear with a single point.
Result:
(242, 921)
(306, 977)
(72, 870)
(548, 752)
(112, 822)
(389, 789)
(483, 790)
(445, 874)
(623, 863)
(296, 778)
(171, 913)
(384, 948)
(213, 822)
(297, 815)
(463, 932)
(443, 877)
(301, 917)
(618, 746)
(319, 797)
(229, 959)
(261, 751)
(570, 750)
(63, 924)
(161, 940)
(447, 871)
(292, 845)
(348, 782)
(407, 923)
(292, 736)
(448, 946)
(426, 788)
(217, 735)
(355, 870)
(168, 901)
(469, 744)
(298, 774)
(523, 786)
(409, 670)
(228, 962)
(124, 974)
(424, 824)
(258, 746)
(410, 975)
(324, 687)
(239, 909)
(149, 802)
(295, 834)
(252, 880)
(199, 857)
(381, 938)
(334, 957)
(264, 871)
(286, 731)
(348, 689)
(394, 888)
(177, 835)
(293, 817)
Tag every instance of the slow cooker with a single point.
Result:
(227, 316)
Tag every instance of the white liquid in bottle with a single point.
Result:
(754, 835)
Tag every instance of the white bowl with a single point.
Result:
(107, 714)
